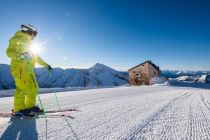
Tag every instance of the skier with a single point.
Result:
(22, 68)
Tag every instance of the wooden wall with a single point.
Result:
(142, 74)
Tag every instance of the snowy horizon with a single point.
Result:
(118, 68)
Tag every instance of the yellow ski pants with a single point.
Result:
(26, 87)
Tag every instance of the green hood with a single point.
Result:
(22, 36)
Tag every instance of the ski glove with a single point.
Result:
(49, 68)
(25, 56)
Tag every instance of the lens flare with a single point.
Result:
(35, 48)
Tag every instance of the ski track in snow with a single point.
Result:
(119, 113)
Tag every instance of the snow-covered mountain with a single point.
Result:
(6, 79)
(97, 76)
(175, 74)
(187, 76)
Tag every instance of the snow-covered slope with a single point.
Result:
(96, 76)
(117, 113)
(159, 81)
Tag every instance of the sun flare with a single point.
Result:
(35, 48)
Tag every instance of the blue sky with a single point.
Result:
(174, 34)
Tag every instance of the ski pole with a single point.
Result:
(53, 86)
(40, 101)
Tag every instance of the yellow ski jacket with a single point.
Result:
(18, 44)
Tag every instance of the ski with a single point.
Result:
(37, 116)
(48, 113)
(74, 108)
(55, 115)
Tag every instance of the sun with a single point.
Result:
(35, 48)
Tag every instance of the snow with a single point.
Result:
(10, 92)
(175, 74)
(192, 79)
(146, 112)
(6, 80)
(184, 78)
(159, 80)
(98, 75)
(203, 78)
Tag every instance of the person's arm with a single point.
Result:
(41, 62)
(13, 49)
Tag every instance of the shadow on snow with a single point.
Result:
(20, 129)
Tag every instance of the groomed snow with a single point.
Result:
(118, 113)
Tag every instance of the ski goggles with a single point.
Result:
(30, 30)
(32, 33)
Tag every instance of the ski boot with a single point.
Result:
(23, 113)
(36, 109)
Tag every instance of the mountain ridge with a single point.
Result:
(98, 75)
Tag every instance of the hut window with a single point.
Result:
(138, 75)
(134, 72)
